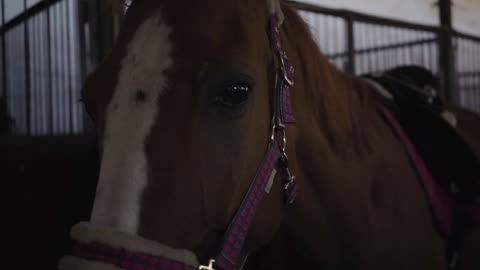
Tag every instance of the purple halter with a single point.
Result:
(232, 254)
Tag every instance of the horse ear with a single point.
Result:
(274, 7)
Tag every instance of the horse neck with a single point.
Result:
(333, 142)
(342, 105)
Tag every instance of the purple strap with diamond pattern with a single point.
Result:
(283, 106)
(126, 259)
(284, 79)
(231, 254)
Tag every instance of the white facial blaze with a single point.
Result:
(123, 175)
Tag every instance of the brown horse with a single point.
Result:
(183, 106)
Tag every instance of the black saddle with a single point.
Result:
(419, 109)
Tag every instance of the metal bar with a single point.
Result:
(388, 58)
(424, 50)
(38, 71)
(405, 53)
(446, 66)
(410, 49)
(356, 16)
(366, 37)
(328, 30)
(34, 67)
(447, 61)
(28, 90)
(82, 15)
(41, 83)
(467, 74)
(55, 86)
(362, 56)
(27, 13)
(4, 92)
(387, 47)
(399, 51)
(459, 71)
(63, 84)
(466, 83)
(49, 83)
(472, 80)
(465, 36)
(445, 13)
(434, 58)
(371, 58)
(340, 40)
(45, 74)
(20, 84)
(7, 81)
(477, 82)
(470, 64)
(58, 65)
(69, 69)
(350, 45)
(381, 53)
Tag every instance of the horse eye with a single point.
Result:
(234, 95)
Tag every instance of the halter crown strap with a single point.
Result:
(284, 77)
(232, 254)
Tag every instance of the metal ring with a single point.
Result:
(283, 56)
(272, 136)
(210, 266)
(284, 141)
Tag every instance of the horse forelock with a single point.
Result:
(130, 115)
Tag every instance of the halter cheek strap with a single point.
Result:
(233, 253)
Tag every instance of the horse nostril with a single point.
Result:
(140, 96)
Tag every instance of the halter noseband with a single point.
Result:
(232, 253)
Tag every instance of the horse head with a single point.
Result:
(183, 106)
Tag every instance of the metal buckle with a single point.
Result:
(283, 67)
(272, 135)
(290, 183)
(209, 267)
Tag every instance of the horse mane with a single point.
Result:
(344, 105)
